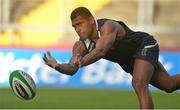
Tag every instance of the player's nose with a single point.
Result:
(77, 29)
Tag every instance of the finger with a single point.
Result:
(79, 58)
(78, 55)
(45, 58)
(75, 59)
(79, 64)
(49, 54)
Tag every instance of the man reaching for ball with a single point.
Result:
(136, 52)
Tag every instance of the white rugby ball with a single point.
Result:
(22, 85)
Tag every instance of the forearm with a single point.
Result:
(92, 57)
(66, 69)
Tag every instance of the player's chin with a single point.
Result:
(83, 37)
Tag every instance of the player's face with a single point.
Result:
(83, 27)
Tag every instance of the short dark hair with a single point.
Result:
(80, 11)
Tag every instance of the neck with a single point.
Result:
(94, 33)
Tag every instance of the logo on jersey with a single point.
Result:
(90, 45)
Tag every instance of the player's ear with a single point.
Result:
(91, 19)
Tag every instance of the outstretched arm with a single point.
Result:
(69, 68)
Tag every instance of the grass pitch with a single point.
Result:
(85, 99)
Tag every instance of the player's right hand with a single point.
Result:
(77, 59)
(49, 60)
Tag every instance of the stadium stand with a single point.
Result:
(37, 26)
(165, 18)
(46, 22)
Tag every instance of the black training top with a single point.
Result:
(123, 50)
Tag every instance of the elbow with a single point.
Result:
(69, 73)
(102, 53)
(72, 72)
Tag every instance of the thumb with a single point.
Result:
(78, 55)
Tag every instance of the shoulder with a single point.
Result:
(110, 25)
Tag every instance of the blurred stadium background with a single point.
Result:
(28, 28)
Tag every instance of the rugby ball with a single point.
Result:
(22, 85)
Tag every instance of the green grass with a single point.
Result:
(85, 99)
